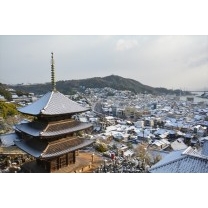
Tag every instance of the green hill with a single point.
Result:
(113, 81)
(4, 92)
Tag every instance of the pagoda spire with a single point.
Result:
(53, 83)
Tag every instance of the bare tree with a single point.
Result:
(142, 153)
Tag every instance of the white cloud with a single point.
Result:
(123, 45)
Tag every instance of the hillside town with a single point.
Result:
(131, 133)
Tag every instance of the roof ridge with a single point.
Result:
(67, 139)
(67, 98)
(199, 156)
(62, 122)
(48, 101)
(44, 130)
(45, 150)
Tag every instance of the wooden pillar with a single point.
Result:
(57, 163)
(74, 157)
(67, 159)
(38, 161)
(49, 166)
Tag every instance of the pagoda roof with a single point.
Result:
(52, 103)
(37, 128)
(43, 149)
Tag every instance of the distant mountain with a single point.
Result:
(113, 81)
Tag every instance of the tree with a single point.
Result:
(7, 109)
(5, 92)
(142, 153)
(157, 158)
(101, 147)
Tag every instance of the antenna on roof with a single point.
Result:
(53, 73)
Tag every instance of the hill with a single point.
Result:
(4, 92)
(113, 81)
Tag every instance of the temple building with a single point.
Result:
(54, 136)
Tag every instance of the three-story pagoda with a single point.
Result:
(52, 135)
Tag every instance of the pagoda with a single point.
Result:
(52, 137)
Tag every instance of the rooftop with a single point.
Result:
(186, 164)
(52, 103)
(43, 149)
(181, 161)
(37, 128)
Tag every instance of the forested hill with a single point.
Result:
(113, 81)
(4, 92)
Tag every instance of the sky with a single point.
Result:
(170, 61)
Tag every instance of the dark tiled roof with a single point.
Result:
(32, 128)
(33, 147)
(63, 128)
(52, 129)
(185, 164)
(43, 149)
(59, 148)
(53, 103)
(205, 148)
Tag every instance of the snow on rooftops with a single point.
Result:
(8, 139)
(178, 144)
(52, 103)
(161, 142)
(109, 117)
(181, 161)
(191, 151)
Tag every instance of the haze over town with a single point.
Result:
(159, 61)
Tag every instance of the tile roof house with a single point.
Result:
(182, 161)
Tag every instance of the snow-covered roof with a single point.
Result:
(205, 147)
(161, 142)
(160, 131)
(178, 145)
(109, 117)
(52, 103)
(8, 139)
(181, 164)
(191, 151)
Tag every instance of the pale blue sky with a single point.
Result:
(158, 61)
